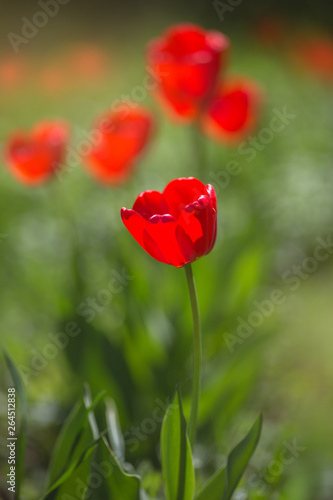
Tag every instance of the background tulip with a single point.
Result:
(315, 55)
(177, 226)
(117, 141)
(12, 73)
(187, 61)
(233, 111)
(34, 157)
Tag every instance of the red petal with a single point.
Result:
(233, 111)
(54, 133)
(150, 203)
(134, 223)
(197, 220)
(182, 192)
(34, 156)
(117, 141)
(31, 163)
(212, 194)
(186, 61)
(315, 54)
(186, 245)
(112, 160)
(161, 242)
(184, 38)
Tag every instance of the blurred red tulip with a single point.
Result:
(12, 72)
(177, 226)
(34, 157)
(54, 79)
(85, 63)
(116, 143)
(187, 61)
(233, 111)
(88, 63)
(315, 54)
(270, 30)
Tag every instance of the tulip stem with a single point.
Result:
(66, 210)
(197, 354)
(199, 150)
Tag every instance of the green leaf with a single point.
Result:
(21, 436)
(114, 430)
(66, 441)
(215, 486)
(78, 483)
(71, 469)
(143, 495)
(177, 464)
(88, 403)
(240, 456)
(223, 483)
(69, 437)
(121, 485)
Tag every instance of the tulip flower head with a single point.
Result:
(315, 54)
(35, 156)
(53, 79)
(187, 61)
(13, 73)
(88, 62)
(233, 111)
(270, 30)
(176, 226)
(117, 141)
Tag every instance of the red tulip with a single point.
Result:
(233, 111)
(315, 54)
(177, 226)
(88, 62)
(34, 157)
(186, 61)
(117, 141)
(13, 72)
(270, 30)
(54, 79)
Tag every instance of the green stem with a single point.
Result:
(64, 207)
(199, 150)
(197, 354)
